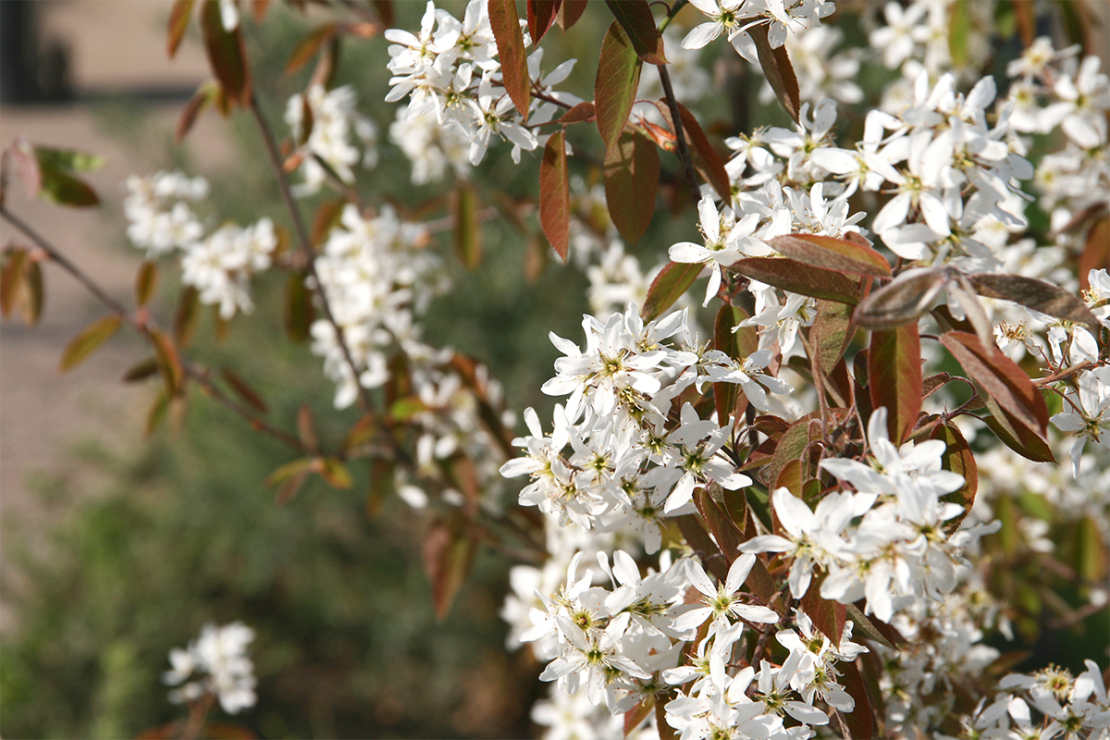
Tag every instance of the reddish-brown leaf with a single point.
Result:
(1036, 294)
(569, 12)
(1016, 435)
(1000, 376)
(780, 72)
(903, 301)
(180, 14)
(385, 11)
(631, 172)
(707, 161)
(141, 371)
(722, 527)
(1096, 253)
(11, 278)
(738, 343)
(510, 50)
(828, 616)
(541, 15)
(448, 557)
(797, 277)
(894, 378)
(308, 46)
(585, 111)
(618, 77)
(637, 21)
(169, 363)
(860, 721)
(145, 282)
(832, 254)
(958, 459)
(555, 195)
(381, 485)
(91, 337)
(668, 286)
(334, 472)
(202, 98)
(22, 156)
(259, 8)
(186, 315)
(244, 390)
(32, 293)
(226, 53)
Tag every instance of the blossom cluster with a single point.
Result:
(218, 263)
(215, 664)
(324, 120)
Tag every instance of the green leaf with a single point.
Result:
(510, 51)
(797, 277)
(841, 255)
(959, 29)
(180, 13)
(1037, 295)
(618, 77)
(63, 188)
(668, 286)
(226, 53)
(169, 363)
(141, 370)
(186, 315)
(91, 337)
(298, 310)
(22, 156)
(894, 378)
(830, 333)
(638, 23)
(780, 72)
(468, 233)
(1000, 376)
(290, 470)
(555, 195)
(631, 172)
(541, 16)
(68, 159)
(334, 473)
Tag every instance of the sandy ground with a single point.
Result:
(116, 46)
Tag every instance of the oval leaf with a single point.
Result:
(797, 277)
(631, 172)
(555, 195)
(243, 390)
(468, 234)
(510, 50)
(541, 16)
(618, 77)
(832, 254)
(780, 72)
(637, 21)
(894, 378)
(145, 281)
(668, 286)
(1037, 295)
(226, 53)
(91, 337)
(180, 13)
(958, 459)
(902, 301)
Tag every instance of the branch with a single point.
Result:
(305, 245)
(146, 329)
(680, 136)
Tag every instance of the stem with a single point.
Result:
(146, 329)
(306, 247)
(676, 118)
(679, 4)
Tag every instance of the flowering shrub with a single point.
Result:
(791, 516)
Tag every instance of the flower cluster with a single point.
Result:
(323, 120)
(215, 664)
(219, 264)
(736, 18)
(450, 73)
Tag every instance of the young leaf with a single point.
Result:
(449, 551)
(180, 14)
(555, 194)
(91, 337)
(800, 278)
(308, 46)
(141, 371)
(618, 77)
(541, 15)
(468, 233)
(860, 721)
(58, 185)
(667, 287)
(829, 253)
(243, 389)
(334, 473)
(226, 53)
(32, 295)
(1037, 295)
(290, 470)
(11, 278)
(828, 616)
(1096, 252)
(306, 427)
(185, 316)
(569, 13)
(638, 23)
(145, 281)
(381, 485)
(157, 411)
(510, 50)
(585, 111)
(23, 157)
(169, 363)
(902, 301)
(724, 531)
(1016, 435)
(631, 172)
(831, 333)
(894, 378)
(958, 459)
(1000, 376)
(738, 343)
(780, 73)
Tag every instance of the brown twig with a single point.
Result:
(305, 245)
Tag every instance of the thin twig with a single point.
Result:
(676, 118)
(306, 247)
(147, 330)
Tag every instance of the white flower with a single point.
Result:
(220, 654)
